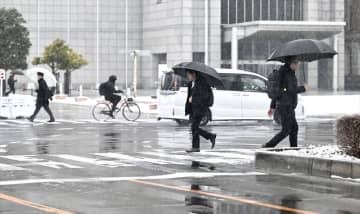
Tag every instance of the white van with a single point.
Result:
(243, 97)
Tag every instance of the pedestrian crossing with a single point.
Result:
(25, 123)
(112, 160)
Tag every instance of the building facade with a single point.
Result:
(223, 33)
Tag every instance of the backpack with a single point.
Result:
(210, 101)
(102, 89)
(274, 84)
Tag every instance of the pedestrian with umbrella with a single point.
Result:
(200, 97)
(283, 88)
(42, 99)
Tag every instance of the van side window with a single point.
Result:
(253, 83)
(232, 82)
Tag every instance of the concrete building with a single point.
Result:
(222, 33)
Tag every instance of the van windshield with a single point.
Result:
(172, 82)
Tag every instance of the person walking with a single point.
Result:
(11, 82)
(286, 103)
(108, 90)
(197, 105)
(42, 99)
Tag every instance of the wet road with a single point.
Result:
(78, 165)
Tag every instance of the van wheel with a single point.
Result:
(277, 118)
(206, 119)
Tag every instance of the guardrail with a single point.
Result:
(16, 106)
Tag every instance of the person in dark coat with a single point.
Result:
(196, 107)
(42, 99)
(11, 82)
(109, 93)
(286, 104)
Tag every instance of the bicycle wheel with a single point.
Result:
(101, 112)
(131, 111)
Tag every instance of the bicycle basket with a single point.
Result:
(130, 99)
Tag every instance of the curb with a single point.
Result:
(273, 161)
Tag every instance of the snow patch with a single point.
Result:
(332, 152)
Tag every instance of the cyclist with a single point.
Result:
(107, 89)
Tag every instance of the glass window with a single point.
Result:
(257, 9)
(298, 10)
(281, 9)
(198, 57)
(248, 8)
(172, 82)
(224, 12)
(232, 82)
(232, 11)
(289, 9)
(253, 83)
(240, 11)
(265, 9)
(273, 10)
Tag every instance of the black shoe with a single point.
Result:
(192, 150)
(30, 119)
(265, 146)
(212, 140)
(51, 121)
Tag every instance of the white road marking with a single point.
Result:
(113, 179)
(41, 162)
(105, 163)
(6, 167)
(130, 159)
(228, 157)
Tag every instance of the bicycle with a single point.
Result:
(130, 110)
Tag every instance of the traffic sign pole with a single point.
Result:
(2, 79)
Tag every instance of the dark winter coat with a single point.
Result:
(200, 96)
(11, 81)
(289, 88)
(43, 93)
(109, 89)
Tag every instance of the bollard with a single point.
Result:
(80, 90)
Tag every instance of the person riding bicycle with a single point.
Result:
(107, 89)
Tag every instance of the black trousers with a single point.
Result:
(197, 131)
(47, 109)
(11, 90)
(289, 127)
(114, 99)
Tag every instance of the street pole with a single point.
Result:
(68, 22)
(126, 45)
(97, 43)
(206, 49)
(38, 28)
(135, 73)
(335, 65)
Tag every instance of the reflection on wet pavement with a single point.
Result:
(119, 152)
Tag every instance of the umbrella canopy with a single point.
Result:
(306, 50)
(209, 73)
(31, 74)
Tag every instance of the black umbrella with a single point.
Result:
(306, 50)
(209, 73)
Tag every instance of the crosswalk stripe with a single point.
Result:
(231, 158)
(129, 158)
(6, 167)
(105, 163)
(41, 162)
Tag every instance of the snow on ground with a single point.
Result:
(327, 152)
